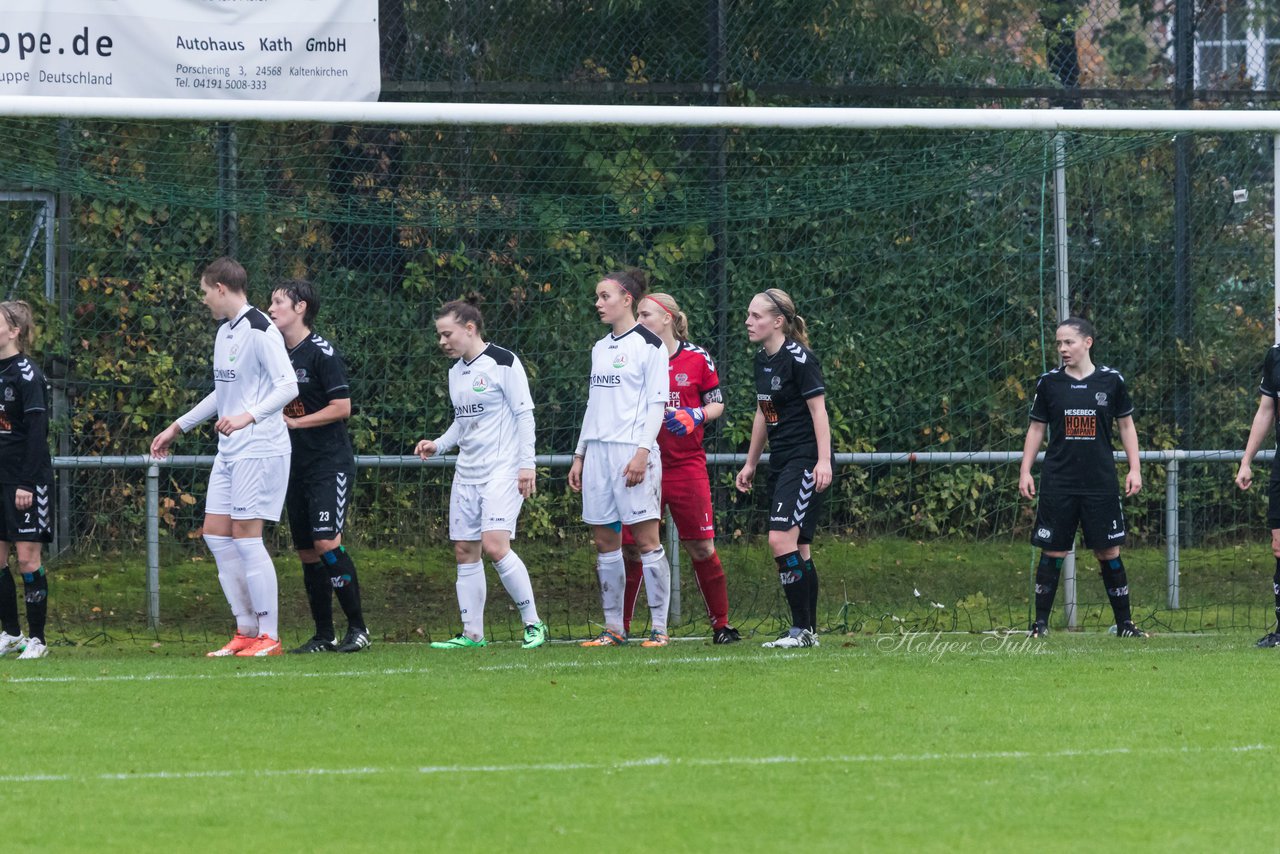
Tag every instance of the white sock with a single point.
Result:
(231, 577)
(613, 582)
(657, 587)
(514, 576)
(471, 596)
(260, 575)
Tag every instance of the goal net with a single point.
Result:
(926, 263)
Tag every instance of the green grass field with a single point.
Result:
(951, 742)
(868, 586)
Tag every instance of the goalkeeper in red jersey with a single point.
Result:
(695, 399)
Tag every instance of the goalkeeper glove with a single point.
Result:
(684, 420)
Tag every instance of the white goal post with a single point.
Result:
(863, 118)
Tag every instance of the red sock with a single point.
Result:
(635, 575)
(710, 576)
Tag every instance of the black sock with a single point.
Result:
(345, 584)
(35, 587)
(1117, 584)
(320, 597)
(1047, 574)
(9, 604)
(811, 584)
(791, 574)
(1275, 584)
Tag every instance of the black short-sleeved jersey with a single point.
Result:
(1080, 413)
(1270, 387)
(784, 383)
(322, 378)
(24, 457)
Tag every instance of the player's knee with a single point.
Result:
(495, 548)
(699, 549)
(1275, 547)
(319, 547)
(466, 551)
(783, 542)
(1107, 554)
(29, 565)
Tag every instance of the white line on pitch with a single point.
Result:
(644, 762)
(655, 661)
(388, 671)
(252, 674)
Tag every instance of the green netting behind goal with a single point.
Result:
(923, 261)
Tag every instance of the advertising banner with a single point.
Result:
(240, 49)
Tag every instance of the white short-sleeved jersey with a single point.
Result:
(250, 363)
(628, 375)
(487, 395)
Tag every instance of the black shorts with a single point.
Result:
(1273, 503)
(1058, 516)
(33, 525)
(793, 501)
(317, 505)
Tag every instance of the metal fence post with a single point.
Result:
(1069, 599)
(673, 557)
(153, 545)
(1171, 545)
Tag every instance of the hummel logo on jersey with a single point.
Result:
(797, 352)
(1082, 385)
(695, 348)
(325, 346)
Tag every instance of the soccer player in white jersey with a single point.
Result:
(493, 429)
(253, 381)
(616, 465)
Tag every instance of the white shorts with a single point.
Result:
(478, 507)
(248, 488)
(606, 498)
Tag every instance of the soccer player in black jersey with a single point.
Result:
(323, 470)
(1077, 403)
(791, 412)
(26, 480)
(1266, 419)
